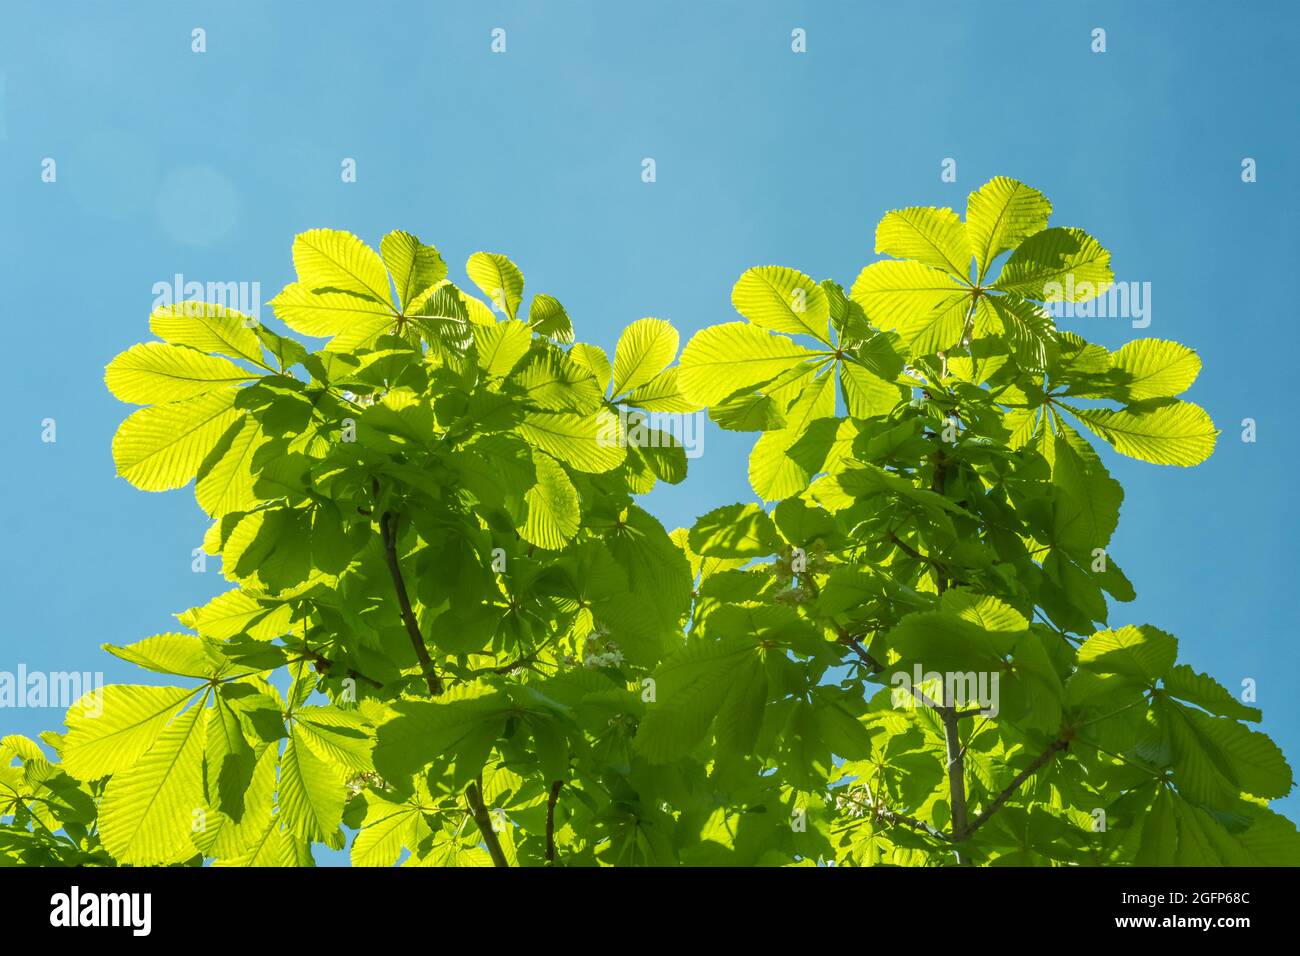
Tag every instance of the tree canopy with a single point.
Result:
(452, 629)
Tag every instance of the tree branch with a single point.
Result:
(956, 772)
(483, 819)
(1005, 795)
(388, 533)
(550, 820)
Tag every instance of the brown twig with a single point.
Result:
(962, 833)
(550, 820)
(388, 533)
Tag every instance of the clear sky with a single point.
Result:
(170, 161)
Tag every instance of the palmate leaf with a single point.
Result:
(162, 446)
(1060, 264)
(927, 307)
(414, 267)
(332, 260)
(644, 350)
(208, 328)
(691, 687)
(728, 358)
(311, 794)
(1163, 432)
(1155, 368)
(148, 813)
(1216, 758)
(999, 216)
(112, 728)
(589, 443)
(488, 441)
(325, 313)
(155, 372)
(499, 279)
(783, 300)
(935, 237)
(553, 515)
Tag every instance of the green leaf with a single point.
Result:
(111, 728)
(386, 829)
(1170, 433)
(237, 612)
(154, 372)
(499, 279)
(311, 794)
(553, 514)
(182, 654)
(208, 328)
(935, 237)
(414, 267)
(735, 531)
(1216, 759)
(663, 393)
(1057, 265)
(1000, 215)
(723, 359)
(147, 814)
(328, 259)
(783, 300)
(162, 446)
(690, 687)
(1207, 693)
(547, 317)
(748, 412)
(782, 462)
(589, 443)
(1143, 654)
(324, 313)
(644, 349)
(925, 306)
(867, 394)
(1155, 368)
(1087, 507)
(501, 346)
(425, 730)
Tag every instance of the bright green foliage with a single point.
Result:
(452, 629)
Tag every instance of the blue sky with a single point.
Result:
(207, 164)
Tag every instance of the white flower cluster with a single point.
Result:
(853, 802)
(599, 651)
(363, 780)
